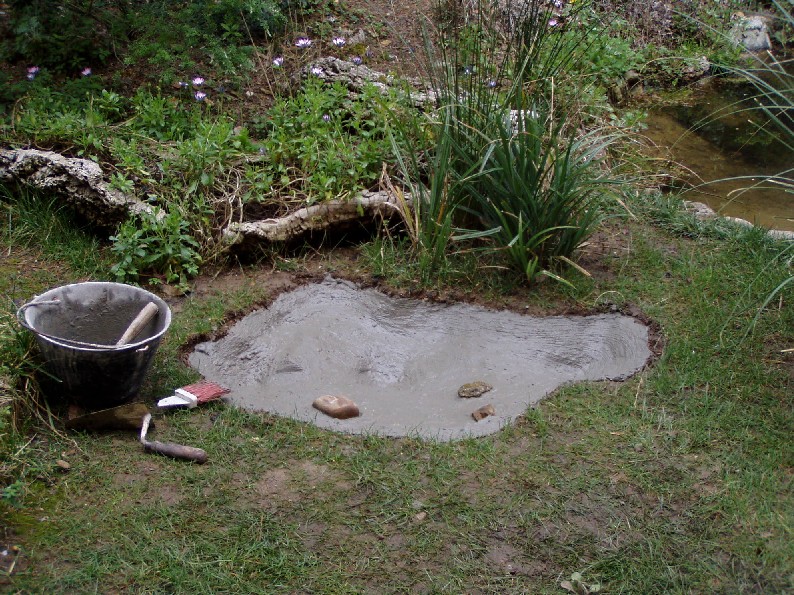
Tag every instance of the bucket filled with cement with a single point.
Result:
(97, 340)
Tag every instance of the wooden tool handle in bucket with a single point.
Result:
(149, 311)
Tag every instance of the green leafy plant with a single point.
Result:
(323, 145)
(156, 243)
(534, 189)
(512, 166)
(62, 36)
(217, 33)
(428, 217)
(12, 493)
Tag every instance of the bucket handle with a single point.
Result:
(72, 342)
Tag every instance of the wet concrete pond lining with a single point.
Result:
(402, 361)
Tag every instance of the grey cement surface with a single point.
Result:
(402, 361)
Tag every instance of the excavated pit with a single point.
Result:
(402, 361)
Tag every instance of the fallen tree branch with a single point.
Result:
(365, 207)
(79, 182)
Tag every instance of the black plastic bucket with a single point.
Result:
(77, 327)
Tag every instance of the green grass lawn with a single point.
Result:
(675, 481)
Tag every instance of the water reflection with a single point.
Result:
(729, 146)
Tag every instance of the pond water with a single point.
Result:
(403, 361)
(726, 146)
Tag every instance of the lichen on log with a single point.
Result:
(78, 182)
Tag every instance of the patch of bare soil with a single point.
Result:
(503, 558)
(282, 488)
(399, 45)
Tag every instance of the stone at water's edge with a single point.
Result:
(751, 32)
(402, 361)
(704, 212)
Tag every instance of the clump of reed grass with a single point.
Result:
(510, 162)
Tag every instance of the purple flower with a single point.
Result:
(303, 43)
(200, 96)
(553, 22)
(316, 70)
(467, 70)
(492, 84)
(86, 71)
(356, 60)
(198, 81)
(339, 41)
(326, 118)
(183, 84)
(278, 61)
(558, 3)
(32, 72)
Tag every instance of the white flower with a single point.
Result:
(316, 70)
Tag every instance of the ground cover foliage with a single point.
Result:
(678, 480)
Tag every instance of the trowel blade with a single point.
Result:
(124, 417)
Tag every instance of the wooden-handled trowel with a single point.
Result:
(169, 449)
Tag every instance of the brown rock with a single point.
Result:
(483, 412)
(336, 406)
(474, 389)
